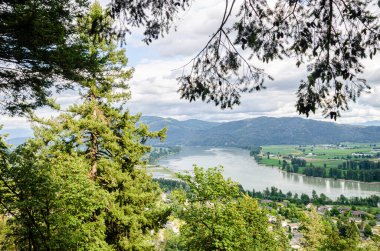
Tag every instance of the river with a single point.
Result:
(241, 167)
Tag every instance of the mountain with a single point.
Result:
(261, 131)
(16, 141)
(16, 136)
(369, 123)
(179, 131)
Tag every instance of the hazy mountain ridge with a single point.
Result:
(248, 132)
(369, 123)
(261, 131)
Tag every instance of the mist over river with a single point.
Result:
(241, 167)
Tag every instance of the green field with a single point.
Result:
(319, 155)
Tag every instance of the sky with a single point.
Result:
(154, 86)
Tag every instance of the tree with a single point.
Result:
(330, 36)
(101, 144)
(39, 51)
(218, 217)
(367, 230)
(313, 230)
(52, 205)
(107, 136)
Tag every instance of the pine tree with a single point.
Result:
(112, 141)
(80, 184)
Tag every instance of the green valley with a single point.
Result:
(356, 161)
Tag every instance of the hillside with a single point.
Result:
(261, 131)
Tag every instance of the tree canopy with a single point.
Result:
(217, 216)
(80, 183)
(40, 51)
(330, 36)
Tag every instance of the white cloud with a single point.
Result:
(154, 86)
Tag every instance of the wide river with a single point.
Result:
(240, 167)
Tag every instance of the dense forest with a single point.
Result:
(361, 170)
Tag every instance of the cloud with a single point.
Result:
(154, 86)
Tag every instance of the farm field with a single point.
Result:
(319, 157)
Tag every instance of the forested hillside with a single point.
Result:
(261, 131)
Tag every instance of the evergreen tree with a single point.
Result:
(39, 50)
(108, 137)
(89, 154)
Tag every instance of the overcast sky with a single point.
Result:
(154, 84)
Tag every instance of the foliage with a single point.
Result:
(51, 204)
(39, 50)
(276, 194)
(91, 153)
(323, 234)
(313, 230)
(331, 37)
(156, 16)
(354, 162)
(218, 217)
(158, 153)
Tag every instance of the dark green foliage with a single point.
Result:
(156, 16)
(161, 152)
(39, 51)
(362, 170)
(367, 230)
(81, 183)
(169, 185)
(315, 171)
(330, 36)
(276, 194)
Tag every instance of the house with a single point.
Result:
(357, 214)
(323, 209)
(266, 201)
(343, 210)
(294, 227)
(309, 206)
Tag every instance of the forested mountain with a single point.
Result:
(261, 131)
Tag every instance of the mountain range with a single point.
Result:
(248, 132)
(260, 131)
(369, 123)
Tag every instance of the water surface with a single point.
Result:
(241, 167)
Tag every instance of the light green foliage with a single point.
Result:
(218, 217)
(50, 200)
(323, 234)
(313, 229)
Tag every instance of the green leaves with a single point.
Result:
(80, 184)
(39, 50)
(217, 216)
